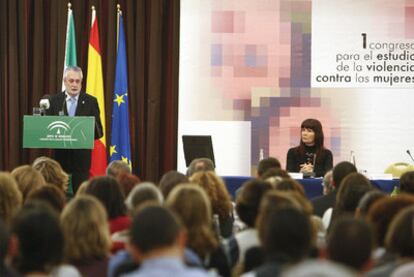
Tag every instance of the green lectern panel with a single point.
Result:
(64, 132)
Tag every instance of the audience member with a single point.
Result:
(52, 172)
(108, 191)
(247, 208)
(116, 167)
(286, 238)
(170, 180)
(400, 241)
(157, 243)
(10, 197)
(87, 236)
(143, 193)
(200, 164)
(40, 242)
(339, 172)
(288, 184)
(367, 201)
(219, 198)
(319, 268)
(380, 215)
(350, 243)
(192, 206)
(127, 181)
(407, 182)
(327, 183)
(266, 164)
(50, 195)
(353, 187)
(27, 179)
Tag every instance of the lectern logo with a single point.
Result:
(59, 125)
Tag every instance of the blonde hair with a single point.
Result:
(52, 172)
(216, 191)
(28, 179)
(192, 206)
(85, 229)
(11, 197)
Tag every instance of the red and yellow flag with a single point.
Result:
(94, 86)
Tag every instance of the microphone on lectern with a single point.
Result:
(409, 154)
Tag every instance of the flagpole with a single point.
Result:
(119, 12)
(93, 15)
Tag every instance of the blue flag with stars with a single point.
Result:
(120, 148)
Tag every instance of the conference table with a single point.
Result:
(313, 186)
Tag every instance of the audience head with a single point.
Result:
(170, 180)
(200, 164)
(350, 242)
(328, 183)
(40, 239)
(114, 168)
(155, 229)
(266, 164)
(27, 179)
(191, 204)
(85, 228)
(288, 184)
(248, 200)
(216, 191)
(383, 212)
(10, 197)
(286, 234)
(353, 187)
(50, 195)
(400, 236)
(52, 172)
(143, 193)
(320, 268)
(340, 171)
(407, 182)
(108, 191)
(367, 201)
(127, 181)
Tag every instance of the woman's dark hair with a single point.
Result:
(109, 192)
(170, 180)
(248, 200)
(316, 126)
(40, 238)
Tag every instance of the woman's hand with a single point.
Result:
(306, 168)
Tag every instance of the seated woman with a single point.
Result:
(310, 157)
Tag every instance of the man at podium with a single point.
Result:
(73, 102)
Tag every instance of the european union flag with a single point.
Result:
(120, 148)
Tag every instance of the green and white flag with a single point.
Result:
(70, 50)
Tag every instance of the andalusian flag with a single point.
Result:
(94, 86)
(120, 140)
(70, 49)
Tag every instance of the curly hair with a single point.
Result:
(28, 179)
(52, 172)
(216, 191)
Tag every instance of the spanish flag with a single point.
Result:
(94, 86)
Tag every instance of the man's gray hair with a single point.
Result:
(114, 168)
(74, 69)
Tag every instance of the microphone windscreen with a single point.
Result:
(44, 103)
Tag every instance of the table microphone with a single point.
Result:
(409, 154)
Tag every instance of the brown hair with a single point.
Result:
(85, 228)
(52, 172)
(28, 179)
(11, 198)
(192, 205)
(216, 191)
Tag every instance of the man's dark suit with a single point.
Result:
(322, 203)
(76, 161)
